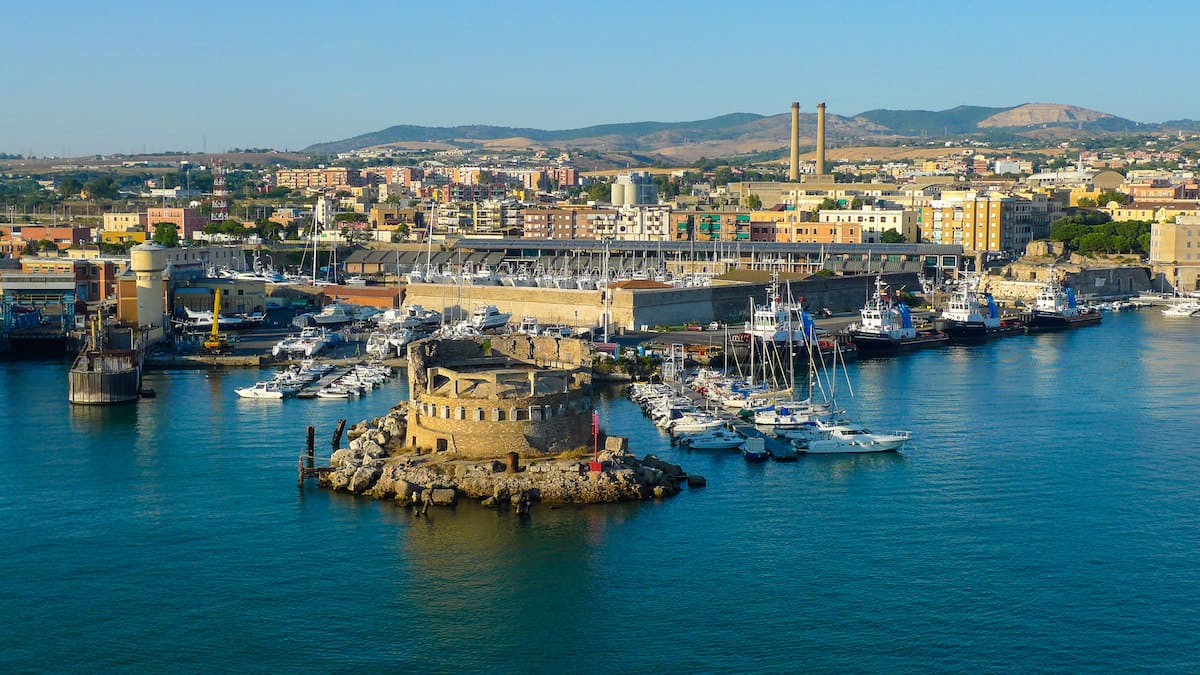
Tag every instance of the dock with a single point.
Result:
(310, 390)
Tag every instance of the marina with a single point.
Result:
(1005, 538)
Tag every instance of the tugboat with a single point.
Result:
(1056, 308)
(887, 326)
(965, 318)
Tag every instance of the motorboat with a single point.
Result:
(719, 438)
(530, 326)
(342, 313)
(488, 317)
(755, 450)
(418, 318)
(309, 342)
(385, 344)
(269, 389)
(854, 439)
(778, 323)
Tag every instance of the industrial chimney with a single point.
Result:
(794, 170)
(821, 138)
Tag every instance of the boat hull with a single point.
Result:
(1044, 321)
(885, 344)
(973, 330)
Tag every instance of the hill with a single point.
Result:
(964, 119)
(740, 134)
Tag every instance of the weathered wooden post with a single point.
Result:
(309, 446)
(337, 434)
(514, 463)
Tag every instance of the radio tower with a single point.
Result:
(220, 201)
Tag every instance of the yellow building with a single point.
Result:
(122, 236)
(985, 221)
(1175, 253)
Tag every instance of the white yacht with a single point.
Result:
(310, 341)
(386, 344)
(852, 439)
(488, 317)
(418, 318)
(270, 389)
(530, 326)
(1182, 307)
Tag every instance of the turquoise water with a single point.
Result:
(1046, 518)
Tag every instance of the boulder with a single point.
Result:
(444, 496)
(338, 480)
(695, 481)
(338, 459)
(364, 479)
(404, 489)
(373, 450)
(616, 445)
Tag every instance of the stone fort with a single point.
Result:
(493, 395)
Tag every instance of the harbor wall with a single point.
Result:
(1024, 282)
(633, 308)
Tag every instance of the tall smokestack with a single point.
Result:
(821, 138)
(794, 170)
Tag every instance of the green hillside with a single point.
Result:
(960, 120)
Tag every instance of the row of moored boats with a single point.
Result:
(357, 381)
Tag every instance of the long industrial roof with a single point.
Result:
(701, 246)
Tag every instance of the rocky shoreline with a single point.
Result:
(377, 464)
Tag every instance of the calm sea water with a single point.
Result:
(1046, 518)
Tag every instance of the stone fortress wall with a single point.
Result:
(499, 394)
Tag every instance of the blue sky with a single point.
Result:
(87, 77)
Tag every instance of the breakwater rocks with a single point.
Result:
(377, 464)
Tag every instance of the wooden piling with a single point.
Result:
(337, 434)
(309, 446)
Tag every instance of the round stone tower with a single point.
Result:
(148, 262)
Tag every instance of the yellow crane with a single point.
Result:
(217, 341)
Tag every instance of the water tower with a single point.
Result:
(148, 261)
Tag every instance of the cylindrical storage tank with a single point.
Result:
(618, 194)
(148, 261)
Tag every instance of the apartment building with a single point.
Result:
(13, 238)
(990, 221)
(711, 225)
(188, 221)
(328, 177)
(1175, 253)
(123, 222)
(871, 222)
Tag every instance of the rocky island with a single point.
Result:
(506, 419)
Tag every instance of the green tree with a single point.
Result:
(599, 191)
(104, 187)
(753, 201)
(166, 234)
(1086, 203)
(828, 204)
(892, 237)
(723, 176)
(69, 187)
(1111, 196)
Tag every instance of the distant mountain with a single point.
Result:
(410, 133)
(964, 119)
(748, 134)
